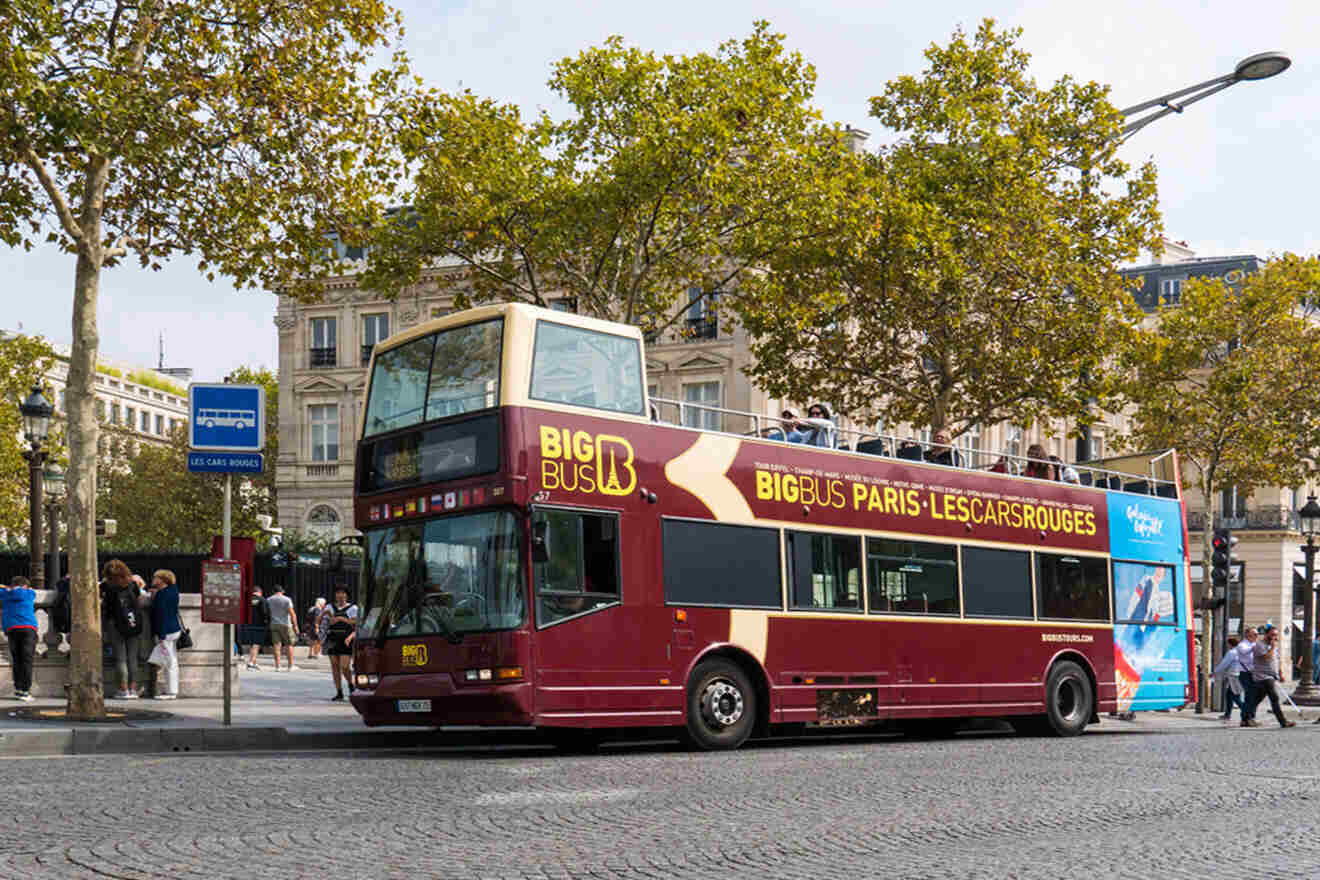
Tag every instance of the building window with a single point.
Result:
(969, 442)
(160, 425)
(130, 417)
(145, 423)
(63, 402)
(324, 343)
(114, 413)
(100, 410)
(702, 322)
(702, 396)
(1171, 291)
(374, 329)
(324, 422)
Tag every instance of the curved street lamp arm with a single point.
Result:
(1169, 106)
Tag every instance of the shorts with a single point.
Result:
(281, 634)
(335, 647)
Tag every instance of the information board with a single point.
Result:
(222, 591)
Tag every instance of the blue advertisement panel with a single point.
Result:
(1150, 641)
(1142, 527)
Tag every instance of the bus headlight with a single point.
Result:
(499, 673)
(367, 680)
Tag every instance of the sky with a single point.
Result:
(1237, 171)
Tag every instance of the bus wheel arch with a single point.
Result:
(1071, 695)
(715, 673)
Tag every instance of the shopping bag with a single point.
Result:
(159, 655)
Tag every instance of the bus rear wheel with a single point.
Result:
(721, 710)
(1069, 699)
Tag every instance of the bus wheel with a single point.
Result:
(1068, 699)
(721, 707)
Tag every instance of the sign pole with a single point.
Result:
(228, 651)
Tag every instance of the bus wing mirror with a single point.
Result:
(540, 541)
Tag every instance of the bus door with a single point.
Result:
(589, 646)
(1150, 640)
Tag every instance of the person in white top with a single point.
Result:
(1245, 661)
(1229, 667)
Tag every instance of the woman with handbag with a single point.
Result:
(165, 626)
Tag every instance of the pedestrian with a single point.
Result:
(258, 619)
(314, 633)
(165, 626)
(339, 640)
(283, 626)
(122, 622)
(18, 618)
(1228, 668)
(1265, 674)
(1246, 659)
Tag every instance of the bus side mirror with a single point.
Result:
(540, 541)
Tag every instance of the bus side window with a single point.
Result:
(580, 568)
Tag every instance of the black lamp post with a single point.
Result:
(36, 412)
(1306, 691)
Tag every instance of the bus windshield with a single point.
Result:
(445, 374)
(445, 577)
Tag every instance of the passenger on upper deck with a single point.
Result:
(789, 429)
(1038, 464)
(821, 426)
(1065, 472)
(940, 452)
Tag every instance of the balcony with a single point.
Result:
(366, 354)
(1261, 518)
(323, 470)
(706, 327)
(322, 357)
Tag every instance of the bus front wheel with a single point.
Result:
(721, 708)
(1069, 700)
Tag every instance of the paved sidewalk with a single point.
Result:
(289, 711)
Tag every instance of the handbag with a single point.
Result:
(185, 636)
(159, 655)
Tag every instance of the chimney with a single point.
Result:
(856, 138)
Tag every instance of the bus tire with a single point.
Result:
(1069, 700)
(721, 706)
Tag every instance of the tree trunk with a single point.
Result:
(86, 690)
(1206, 661)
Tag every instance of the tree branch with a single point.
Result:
(67, 221)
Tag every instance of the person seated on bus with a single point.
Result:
(1002, 466)
(789, 429)
(819, 426)
(1065, 472)
(1038, 464)
(941, 452)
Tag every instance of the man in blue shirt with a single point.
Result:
(18, 618)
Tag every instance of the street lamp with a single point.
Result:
(36, 412)
(52, 479)
(1262, 65)
(1306, 690)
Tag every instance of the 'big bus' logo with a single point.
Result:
(576, 461)
(414, 655)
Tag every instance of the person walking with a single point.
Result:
(339, 641)
(315, 635)
(1246, 660)
(258, 621)
(165, 626)
(283, 626)
(1227, 669)
(122, 619)
(1265, 674)
(18, 618)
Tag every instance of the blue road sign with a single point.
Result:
(226, 418)
(226, 462)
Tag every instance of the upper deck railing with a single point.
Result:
(825, 434)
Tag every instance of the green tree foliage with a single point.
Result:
(1225, 376)
(976, 282)
(671, 172)
(265, 481)
(24, 360)
(236, 131)
(159, 504)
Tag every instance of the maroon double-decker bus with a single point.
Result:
(544, 548)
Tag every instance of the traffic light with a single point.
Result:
(1222, 557)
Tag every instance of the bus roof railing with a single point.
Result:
(825, 434)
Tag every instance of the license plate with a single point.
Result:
(414, 705)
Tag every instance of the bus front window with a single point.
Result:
(446, 577)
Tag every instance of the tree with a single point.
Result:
(1224, 377)
(265, 481)
(978, 283)
(671, 173)
(24, 360)
(240, 132)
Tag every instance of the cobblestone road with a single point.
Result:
(1169, 804)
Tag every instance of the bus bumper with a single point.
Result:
(434, 700)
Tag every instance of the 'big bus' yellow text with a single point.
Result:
(909, 502)
(576, 461)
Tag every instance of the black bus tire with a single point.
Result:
(1069, 699)
(721, 706)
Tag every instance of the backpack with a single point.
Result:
(61, 613)
(128, 619)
